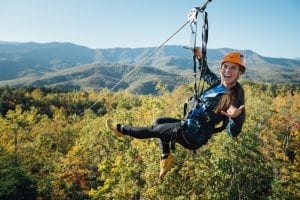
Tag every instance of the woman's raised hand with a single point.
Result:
(233, 111)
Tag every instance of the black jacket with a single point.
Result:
(233, 125)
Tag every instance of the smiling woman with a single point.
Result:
(223, 102)
(232, 67)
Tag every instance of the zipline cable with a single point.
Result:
(150, 55)
(140, 63)
(192, 18)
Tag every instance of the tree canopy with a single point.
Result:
(54, 145)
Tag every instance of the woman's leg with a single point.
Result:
(187, 139)
(164, 132)
(163, 120)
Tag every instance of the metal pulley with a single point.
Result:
(192, 15)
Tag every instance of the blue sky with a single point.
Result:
(268, 27)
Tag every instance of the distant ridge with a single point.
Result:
(71, 66)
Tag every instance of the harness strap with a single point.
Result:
(203, 61)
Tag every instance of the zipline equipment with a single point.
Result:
(192, 19)
(202, 60)
(202, 63)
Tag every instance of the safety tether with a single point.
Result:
(202, 62)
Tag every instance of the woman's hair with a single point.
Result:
(234, 97)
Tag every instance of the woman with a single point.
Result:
(222, 102)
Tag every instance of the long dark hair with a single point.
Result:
(236, 97)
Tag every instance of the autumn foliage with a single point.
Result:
(54, 145)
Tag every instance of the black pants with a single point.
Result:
(167, 130)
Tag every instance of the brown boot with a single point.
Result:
(165, 165)
(113, 127)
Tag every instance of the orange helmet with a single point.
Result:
(235, 57)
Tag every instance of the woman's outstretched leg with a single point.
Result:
(164, 120)
(139, 132)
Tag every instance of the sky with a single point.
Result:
(269, 27)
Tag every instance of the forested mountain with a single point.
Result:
(55, 145)
(69, 66)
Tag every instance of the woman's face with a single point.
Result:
(230, 72)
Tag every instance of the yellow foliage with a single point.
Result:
(77, 155)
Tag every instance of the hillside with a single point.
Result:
(71, 66)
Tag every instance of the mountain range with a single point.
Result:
(70, 66)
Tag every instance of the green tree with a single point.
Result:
(15, 182)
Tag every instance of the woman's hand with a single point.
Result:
(233, 111)
(197, 52)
